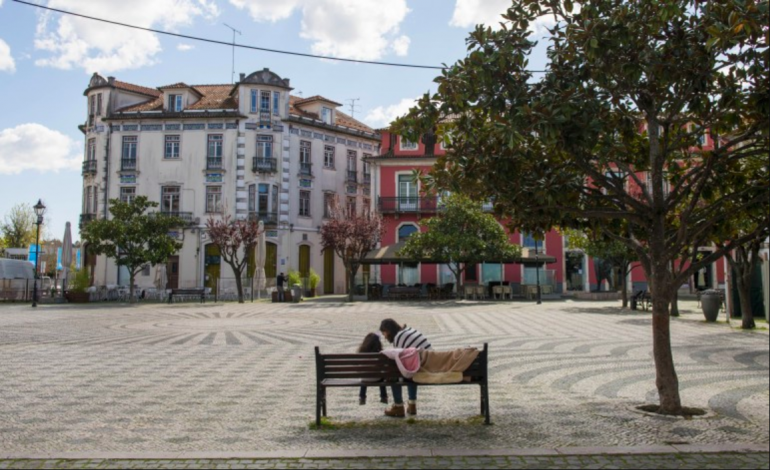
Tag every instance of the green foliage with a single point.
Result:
(18, 227)
(133, 237)
(293, 277)
(460, 234)
(314, 278)
(80, 281)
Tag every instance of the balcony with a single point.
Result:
(264, 165)
(213, 163)
(269, 218)
(187, 217)
(89, 167)
(128, 164)
(367, 178)
(305, 169)
(86, 218)
(407, 205)
(352, 176)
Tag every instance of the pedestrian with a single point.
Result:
(371, 344)
(403, 337)
(279, 284)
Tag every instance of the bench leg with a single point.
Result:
(486, 404)
(323, 402)
(318, 407)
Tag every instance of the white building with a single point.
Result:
(249, 149)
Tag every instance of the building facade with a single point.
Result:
(402, 204)
(250, 149)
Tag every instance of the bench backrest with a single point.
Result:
(378, 366)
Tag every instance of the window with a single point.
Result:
(213, 199)
(146, 270)
(172, 147)
(528, 241)
(129, 147)
(87, 202)
(127, 195)
(304, 203)
(407, 193)
(91, 151)
(352, 163)
(95, 201)
(406, 145)
(175, 103)
(263, 201)
(252, 198)
(304, 158)
(328, 156)
(215, 146)
(254, 101)
(351, 207)
(326, 115)
(264, 146)
(274, 206)
(276, 103)
(264, 101)
(170, 198)
(405, 230)
(99, 104)
(328, 204)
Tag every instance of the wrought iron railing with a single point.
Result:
(89, 167)
(394, 205)
(213, 163)
(264, 165)
(306, 169)
(367, 178)
(352, 176)
(185, 216)
(128, 164)
(269, 218)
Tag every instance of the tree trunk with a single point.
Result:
(624, 290)
(675, 304)
(238, 284)
(665, 374)
(743, 267)
(744, 292)
(351, 282)
(131, 277)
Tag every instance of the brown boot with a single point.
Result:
(395, 411)
(411, 409)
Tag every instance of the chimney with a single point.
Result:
(265, 69)
(286, 82)
(243, 75)
(111, 80)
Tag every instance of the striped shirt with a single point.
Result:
(411, 338)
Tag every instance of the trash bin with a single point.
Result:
(296, 293)
(710, 301)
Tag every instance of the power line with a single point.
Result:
(256, 48)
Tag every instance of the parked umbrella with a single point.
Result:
(161, 279)
(66, 256)
(260, 253)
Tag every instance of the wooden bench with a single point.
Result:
(187, 293)
(377, 370)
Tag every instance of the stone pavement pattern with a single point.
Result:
(191, 377)
(677, 461)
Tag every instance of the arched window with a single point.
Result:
(405, 230)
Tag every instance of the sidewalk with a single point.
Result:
(736, 456)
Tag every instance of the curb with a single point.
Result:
(385, 453)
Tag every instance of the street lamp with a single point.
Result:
(39, 210)
(537, 274)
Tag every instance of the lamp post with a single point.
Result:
(537, 274)
(39, 210)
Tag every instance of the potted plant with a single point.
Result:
(77, 292)
(710, 301)
(313, 280)
(295, 284)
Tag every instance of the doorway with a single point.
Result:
(172, 268)
(574, 270)
(211, 268)
(328, 271)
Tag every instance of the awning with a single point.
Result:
(388, 255)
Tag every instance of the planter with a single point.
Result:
(710, 301)
(77, 297)
(296, 293)
(312, 292)
(286, 296)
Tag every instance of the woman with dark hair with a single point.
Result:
(371, 344)
(403, 337)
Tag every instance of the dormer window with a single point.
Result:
(264, 101)
(175, 103)
(276, 103)
(326, 115)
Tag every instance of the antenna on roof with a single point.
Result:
(300, 93)
(232, 75)
(352, 106)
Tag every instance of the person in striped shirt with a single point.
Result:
(403, 337)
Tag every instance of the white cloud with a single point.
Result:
(382, 116)
(184, 47)
(469, 13)
(7, 63)
(36, 147)
(353, 29)
(102, 47)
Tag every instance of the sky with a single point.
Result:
(46, 60)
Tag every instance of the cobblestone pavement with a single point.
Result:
(229, 377)
(694, 461)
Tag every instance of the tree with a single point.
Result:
(613, 252)
(351, 236)
(613, 136)
(18, 228)
(132, 237)
(461, 234)
(236, 240)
